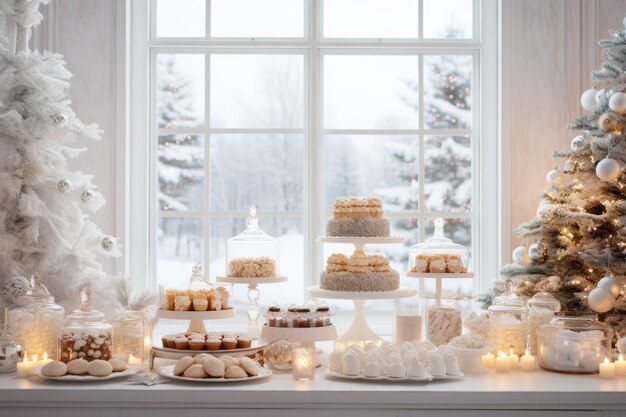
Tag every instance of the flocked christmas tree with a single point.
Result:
(577, 241)
(44, 206)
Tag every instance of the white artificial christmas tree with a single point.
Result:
(44, 206)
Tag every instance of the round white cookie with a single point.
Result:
(182, 364)
(77, 367)
(195, 371)
(235, 371)
(214, 367)
(99, 367)
(251, 366)
(54, 368)
(118, 365)
(229, 360)
(201, 357)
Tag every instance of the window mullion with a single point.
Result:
(421, 159)
(207, 154)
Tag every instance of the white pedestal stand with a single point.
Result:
(253, 310)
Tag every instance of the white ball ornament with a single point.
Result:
(520, 256)
(610, 283)
(87, 196)
(59, 120)
(588, 99)
(15, 287)
(108, 243)
(617, 103)
(538, 252)
(544, 211)
(601, 300)
(605, 122)
(64, 186)
(554, 177)
(577, 143)
(599, 95)
(608, 169)
(570, 167)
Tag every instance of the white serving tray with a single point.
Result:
(89, 378)
(168, 372)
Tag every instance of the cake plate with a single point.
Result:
(195, 318)
(360, 242)
(359, 331)
(253, 310)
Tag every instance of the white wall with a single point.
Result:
(548, 51)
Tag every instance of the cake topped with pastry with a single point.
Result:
(358, 217)
(359, 272)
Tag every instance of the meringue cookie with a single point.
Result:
(415, 368)
(371, 369)
(436, 364)
(350, 364)
(334, 360)
(452, 366)
(396, 370)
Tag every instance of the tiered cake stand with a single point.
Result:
(253, 310)
(359, 331)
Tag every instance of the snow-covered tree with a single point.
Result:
(44, 206)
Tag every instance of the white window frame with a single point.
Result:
(486, 205)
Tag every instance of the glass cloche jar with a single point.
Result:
(85, 334)
(438, 254)
(541, 309)
(443, 321)
(508, 319)
(252, 253)
(36, 321)
(574, 343)
(196, 294)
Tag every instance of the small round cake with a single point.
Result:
(365, 282)
(348, 227)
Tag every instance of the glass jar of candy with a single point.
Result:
(508, 320)
(85, 334)
(574, 343)
(408, 320)
(443, 322)
(541, 309)
(36, 321)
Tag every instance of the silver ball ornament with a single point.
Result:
(600, 95)
(608, 169)
(610, 283)
(59, 120)
(538, 252)
(520, 256)
(577, 143)
(600, 300)
(588, 99)
(108, 243)
(64, 186)
(544, 211)
(554, 177)
(617, 103)
(87, 196)
(570, 167)
(15, 287)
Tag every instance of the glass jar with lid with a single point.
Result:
(443, 321)
(438, 254)
(408, 320)
(574, 342)
(196, 294)
(541, 309)
(35, 322)
(252, 253)
(86, 334)
(508, 319)
(132, 335)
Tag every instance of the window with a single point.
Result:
(290, 103)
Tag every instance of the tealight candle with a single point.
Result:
(620, 366)
(303, 364)
(134, 361)
(25, 368)
(527, 362)
(44, 361)
(488, 360)
(607, 369)
(514, 360)
(503, 363)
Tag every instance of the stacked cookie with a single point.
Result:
(252, 267)
(206, 299)
(439, 264)
(359, 272)
(358, 263)
(358, 217)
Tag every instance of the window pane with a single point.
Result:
(450, 19)
(260, 91)
(370, 92)
(180, 244)
(289, 233)
(174, 20)
(180, 168)
(257, 18)
(380, 166)
(261, 169)
(448, 169)
(180, 90)
(371, 18)
(448, 99)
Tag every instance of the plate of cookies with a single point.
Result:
(208, 368)
(80, 370)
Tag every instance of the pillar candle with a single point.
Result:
(44, 361)
(134, 361)
(527, 362)
(503, 363)
(620, 366)
(607, 369)
(25, 368)
(488, 360)
(514, 360)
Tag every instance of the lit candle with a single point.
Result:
(620, 366)
(503, 363)
(25, 368)
(134, 361)
(607, 369)
(488, 360)
(527, 362)
(303, 364)
(513, 359)
(44, 361)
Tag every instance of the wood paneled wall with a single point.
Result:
(548, 50)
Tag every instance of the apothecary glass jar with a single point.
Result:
(443, 321)
(252, 253)
(541, 309)
(508, 320)
(36, 321)
(132, 334)
(438, 254)
(86, 334)
(195, 294)
(408, 319)
(574, 343)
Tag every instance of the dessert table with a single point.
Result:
(537, 393)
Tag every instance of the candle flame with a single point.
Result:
(526, 353)
(25, 357)
(621, 357)
(502, 354)
(606, 360)
(45, 356)
(35, 358)
(511, 351)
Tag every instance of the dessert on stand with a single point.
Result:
(252, 259)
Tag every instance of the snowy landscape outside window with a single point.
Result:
(289, 104)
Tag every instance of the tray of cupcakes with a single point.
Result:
(206, 368)
(216, 343)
